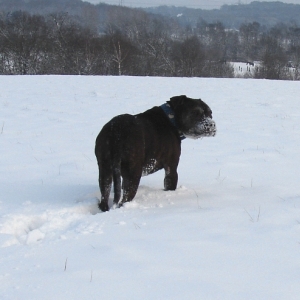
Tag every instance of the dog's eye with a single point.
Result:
(197, 113)
(209, 114)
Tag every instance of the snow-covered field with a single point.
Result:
(230, 231)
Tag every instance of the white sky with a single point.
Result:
(204, 4)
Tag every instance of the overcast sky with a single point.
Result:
(204, 4)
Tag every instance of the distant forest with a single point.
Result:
(75, 37)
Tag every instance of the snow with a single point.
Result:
(231, 230)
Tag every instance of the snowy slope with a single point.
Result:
(230, 231)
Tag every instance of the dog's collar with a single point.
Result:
(171, 116)
(169, 113)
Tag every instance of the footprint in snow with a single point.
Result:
(24, 229)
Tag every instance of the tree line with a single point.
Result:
(132, 42)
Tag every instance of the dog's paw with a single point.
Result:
(103, 206)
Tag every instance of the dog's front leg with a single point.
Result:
(171, 178)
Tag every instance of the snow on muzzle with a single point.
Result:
(207, 127)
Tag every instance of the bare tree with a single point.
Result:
(274, 60)
(249, 41)
(189, 57)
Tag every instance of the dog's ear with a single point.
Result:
(177, 101)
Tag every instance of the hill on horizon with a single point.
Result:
(231, 16)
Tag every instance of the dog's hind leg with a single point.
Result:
(130, 186)
(105, 181)
(117, 184)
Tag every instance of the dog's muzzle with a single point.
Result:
(205, 128)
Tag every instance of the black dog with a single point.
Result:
(131, 146)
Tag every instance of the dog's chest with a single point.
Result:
(150, 167)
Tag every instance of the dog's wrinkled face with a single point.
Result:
(194, 117)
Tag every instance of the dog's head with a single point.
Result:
(193, 117)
